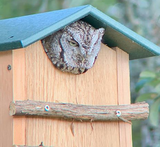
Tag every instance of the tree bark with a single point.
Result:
(78, 112)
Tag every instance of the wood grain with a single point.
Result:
(6, 91)
(125, 129)
(107, 83)
(45, 83)
(19, 93)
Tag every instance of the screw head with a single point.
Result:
(118, 113)
(46, 108)
(9, 67)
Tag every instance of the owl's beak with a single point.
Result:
(83, 59)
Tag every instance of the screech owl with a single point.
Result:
(75, 48)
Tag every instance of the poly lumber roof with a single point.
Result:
(22, 31)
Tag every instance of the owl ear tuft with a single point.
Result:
(102, 31)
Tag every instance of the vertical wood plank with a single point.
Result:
(19, 93)
(5, 99)
(124, 95)
(98, 86)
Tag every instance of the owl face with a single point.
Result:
(81, 44)
(75, 48)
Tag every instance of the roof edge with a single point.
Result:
(40, 35)
(9, 45)
(47, 31)
(148, 45)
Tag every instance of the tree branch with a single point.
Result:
(70, 111)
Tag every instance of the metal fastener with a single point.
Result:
(9, 67)
(46, 108)
(118, 113)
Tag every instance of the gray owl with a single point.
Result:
(75, 48)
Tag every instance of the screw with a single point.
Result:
(118, 113)
(46, 108)
(9, 67)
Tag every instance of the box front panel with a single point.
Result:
(98, 86)
(43, 82)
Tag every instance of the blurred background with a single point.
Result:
(143, 17)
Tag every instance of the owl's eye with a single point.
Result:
(73, 43)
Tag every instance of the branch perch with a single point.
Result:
(70, 111)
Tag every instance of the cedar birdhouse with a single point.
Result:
(26, 73)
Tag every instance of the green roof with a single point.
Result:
(22, 31)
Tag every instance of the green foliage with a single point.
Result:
(14, 8)
(154, 112)
(142, 16)
(152, 80)
(146, 96)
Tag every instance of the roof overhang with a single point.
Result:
(22, 31)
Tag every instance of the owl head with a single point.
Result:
(81, 43)
(76, 46)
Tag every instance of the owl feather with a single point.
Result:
(75, 48)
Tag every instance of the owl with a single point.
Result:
(74, 48)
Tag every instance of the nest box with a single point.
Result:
(26, 73)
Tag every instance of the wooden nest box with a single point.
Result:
(26, 73)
